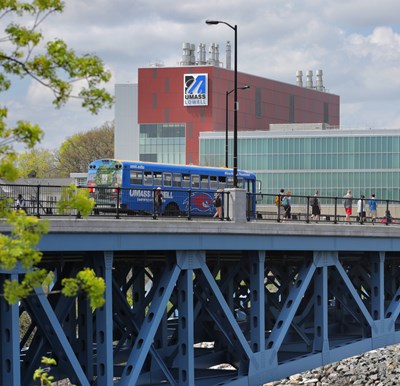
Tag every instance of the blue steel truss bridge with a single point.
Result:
(204, 302)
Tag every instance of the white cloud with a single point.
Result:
(357, 47)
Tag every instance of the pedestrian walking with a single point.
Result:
(315, 207)
(372, 208)
(348, 205)
(278, 203)
(287, 205)
(217, 201)
(158, 200)
(20, 203)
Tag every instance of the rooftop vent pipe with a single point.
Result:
(309, 83)
(299, 78)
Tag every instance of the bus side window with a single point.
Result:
(222, 182)
(249, 185)
(148, 179)
(195, 181)
(157, 178)
(230, 182)
(185, 180)
(176, 182)
(240, 183)
(204, 182)
(136, 178)
(213, 182)
(167, 179)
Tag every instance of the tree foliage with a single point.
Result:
(19, 248)
(78, 151)
(25, 53)
(73, 198)
(86, 281)
(41, 374)
(39, 163)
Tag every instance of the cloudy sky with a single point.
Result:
(355, 42)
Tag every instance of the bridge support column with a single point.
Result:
(9, 339)
(257, 298)
(377, 283)
(186, 331)
(104, 324)
(321, 339)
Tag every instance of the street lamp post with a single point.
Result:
(226, 120)
(236, 107)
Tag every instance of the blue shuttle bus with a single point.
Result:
(131, 185)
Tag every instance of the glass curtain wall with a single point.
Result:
(164, 143)
(330, 164)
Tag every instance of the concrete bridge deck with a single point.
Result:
(145, 234)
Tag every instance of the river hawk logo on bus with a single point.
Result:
(200, 203)
(195, 91)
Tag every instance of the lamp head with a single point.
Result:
(245, 87)
(212, 22)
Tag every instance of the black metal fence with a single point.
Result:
(44, 201)
(331, 210)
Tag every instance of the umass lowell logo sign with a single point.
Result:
(195, 92)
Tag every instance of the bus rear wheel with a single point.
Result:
(172, 210)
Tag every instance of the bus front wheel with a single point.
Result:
(172, 209)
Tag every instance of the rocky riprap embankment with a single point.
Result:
(379, 367)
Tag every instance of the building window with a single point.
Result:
(258, 103)
(366, 163)
(167, 86)
(202, 114)
(148, 157)
(326, 112)
(154, 100)
(164, 143)
(190, 130)
(291, 109)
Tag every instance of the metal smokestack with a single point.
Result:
(192, 54)
(320, 84)
(309, 83)
(217, 55)
(213, 55)
(186, 54)
(228, 55)
(201, 52)
(299, 78)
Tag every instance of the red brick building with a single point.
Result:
(161, 92)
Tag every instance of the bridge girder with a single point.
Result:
(204, 317)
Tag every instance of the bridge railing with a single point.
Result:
(331, 210)
(43, 200)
